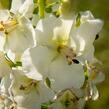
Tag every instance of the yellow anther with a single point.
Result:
(67, 52)
(2, 98)
(30, 84)
(10, 23)
(4, 26)
(1, 26)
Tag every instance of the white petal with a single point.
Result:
(27, 8)
(89, 55)
(5, 84)
(30, 98)
(100, 78)
(64, 75)
(16, 4)
(4, 66)
(51, 30)
(85, 34)
(50, 65)
(90, 29)
(46, 27)
(21, 38)
(94, 92)
(28, 67)
(2, 41)
(63, 30)
(35, 19)
(4, 15)
(87, 15)
(39, 59)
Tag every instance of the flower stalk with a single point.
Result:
(41, 4)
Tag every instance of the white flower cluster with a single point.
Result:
(47, 63)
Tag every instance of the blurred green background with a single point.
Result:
(100, 9)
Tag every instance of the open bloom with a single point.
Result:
(16, 32)
(62, 45)
(93, 76)
(68, 99)
(23, 92)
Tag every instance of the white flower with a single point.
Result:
(68, 99)
(25, 93)
(59, 44)
(85, 34)
(92, 77)
(17, 32)
(48, 61)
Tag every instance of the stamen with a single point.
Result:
(7, 25)
(68, 53)
(1, 26)
(10, 23)
(13, 105)
(67, 97)
(30, 85)
(22, 87)
(2, 98)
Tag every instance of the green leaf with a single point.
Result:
(48, 82)
(86, 75)
(56, 14)
(78, 20)
(35, 11)
(35, 1)
(44, 106)
(9, 61)
(5, 4)
(18, 63)
(48, 9)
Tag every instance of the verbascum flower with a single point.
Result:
(68, 99)
(23, 93)
(16, 32)
(93, 76)
(63, 45)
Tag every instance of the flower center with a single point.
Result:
(8, 25)
(67, 98)
(31, 84)
(68, 53)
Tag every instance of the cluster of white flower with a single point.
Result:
(47, 63)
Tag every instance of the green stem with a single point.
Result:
(41, 8)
